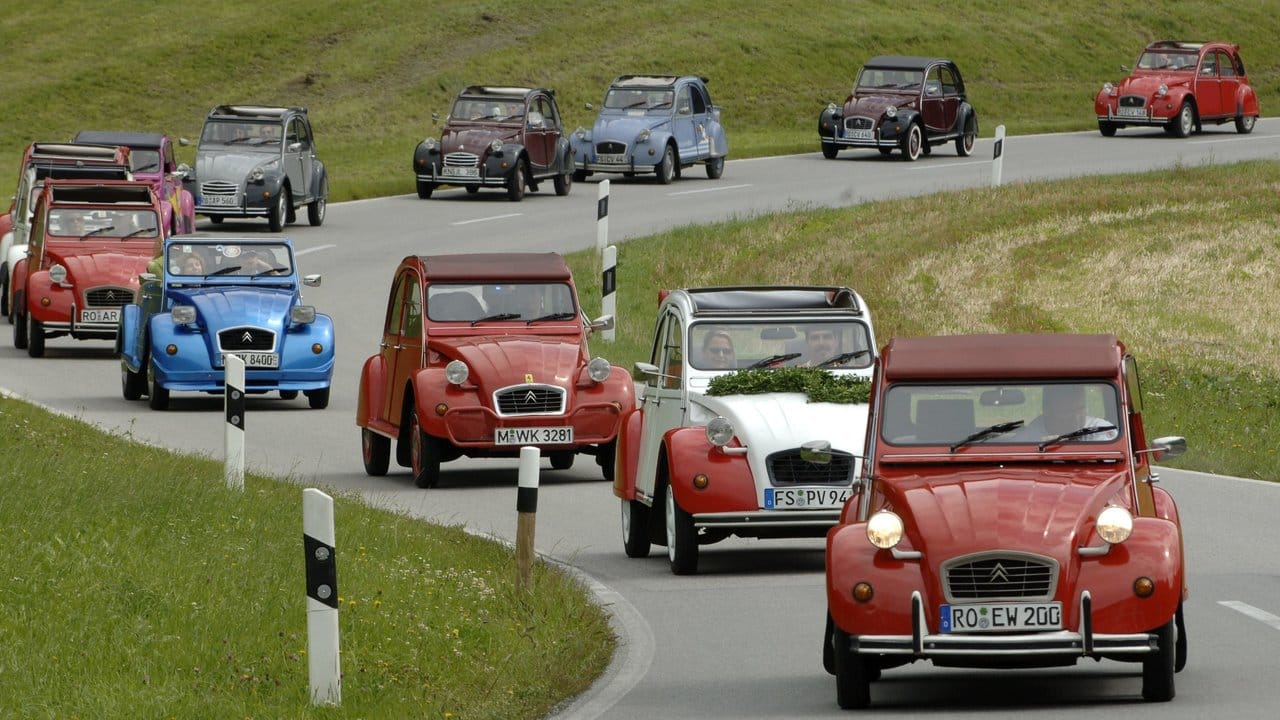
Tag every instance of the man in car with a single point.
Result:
(820, 344)
(1064, 410)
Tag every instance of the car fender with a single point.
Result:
(1175, 97)
(512, 152)
(319, 176)
(373, 388)
(131, 354)
(628, 455)
(19, 276)
(850, 559)
(564, 153)
(828, 121)
(729, 485)
(659, 140)
(424, 159)
(719, 141)
(1246, 100)
(965, 114)
(1154, 551)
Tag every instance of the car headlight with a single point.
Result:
(495, 146)
(884, 529)
(58, 274)
(598, 369)
(1115, 524)
(643, 136)
(1108, 88)
(719, 431)
(183, 314)
(831, 107)
(580, 133)
(302, 314)
(891, 112)
(429, 143)
(256, 175)
(456, 372)
(1162, 91)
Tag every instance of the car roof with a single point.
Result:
(1177, 45)
(985, 357)
(100, 191)
(907, 62)
(73, 151)
(745, 300)
(199, 237)
(501, 91)
(265, 112)
(109, 137)
(650, 81)
(495, 266)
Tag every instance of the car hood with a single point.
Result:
(624, 127)
(232, 166)
(223, 307)
(475, 140)
(501, 360)
(1146, 84)
(1040, 508)
(768, 422)
(874, 105)
(102, 268)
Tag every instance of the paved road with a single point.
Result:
(741, 639)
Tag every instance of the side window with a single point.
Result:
(1133, 386)
(1210, 66)
(292, 135)
(699, 102)
(1224, 64)
(933, 83)
(949, 84)
(673, 354)
(412, 324)
(684, 104)
(169, 164)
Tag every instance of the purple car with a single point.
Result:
(153, 162)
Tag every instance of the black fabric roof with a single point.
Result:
(109, 137)
(746, 299)
(909, 62)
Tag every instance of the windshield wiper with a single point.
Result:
(97, 231)
(552, 316)
(986, 432)
(139, 231)
(495, 318)
(1079, 432)
(772, 360)
(268, 271)
(842, 358)
(224, 270)
(148, 166)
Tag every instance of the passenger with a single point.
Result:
(191, 264)
(1063, 411)
(717, 351)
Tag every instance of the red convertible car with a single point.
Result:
(1006, 516)
(1180, 86)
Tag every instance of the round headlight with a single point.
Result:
(580, 133)
(1162, 91)
(643, 136)
(183, 314)
(58, 274)
(884, 529)
(719, 431)
(891, 112)
(1108, 88)
(256, 175)
(831, 107)
(456, 372)
(598, 369)
(302, 314)
(496, 145)
(1115, 524)
(430, 143)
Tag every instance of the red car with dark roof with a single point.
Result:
(482, 354)
(1006, 516)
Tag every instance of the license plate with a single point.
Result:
(448, 171)
(859, 134)
(1131, 112)
(1001, 617)
(219, 200)
(560, 435)
(103, 315)
(613, 159)
(804, 498)
(259, 360)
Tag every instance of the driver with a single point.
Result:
(820, 344)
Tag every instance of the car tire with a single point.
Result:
(1245, 123)
(424, 455)
(473, 189)
(215, 219)
(279, 212)
(635, 529)
(1108, 129)
(912, 143)
(1184, 123)
(157, 394)
(316, 208)
(964, 143)
(318, 399)
(4, 291)
(375, 450)
(288, 394)
(516, 182)
(926, 149)
(853, 682)
(425, 189)
(1158, 667)
(682, 537)
(829, 151)
(563, 183)
(35, 338)
(607, 458)
(667, 167)
(715, 167)
(132, 384)
(1180, 648)
(19, 324)
(885, 151)
(579, 175)
(561, 460)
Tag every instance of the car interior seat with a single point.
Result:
(944, 420)
(455, 307)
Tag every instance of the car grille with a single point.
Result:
(1132, 101)
(611, 148)
(530, 400)
(108, 297)
(858, 123)
(787, 468)
(246, 338)
(219, 187)
(1000, 576)
(461, 159)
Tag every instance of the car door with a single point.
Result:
(683, 125)
(1228, 84)
(701, 124)
(401, 347)
(1207, 86)
(297, 159)
(938, 109)
(665, 398)
(536, 134)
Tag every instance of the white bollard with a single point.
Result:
(322, 598)
(526, 513)
(609, 290)
(602, 216)
(997, 157)
(233, 391)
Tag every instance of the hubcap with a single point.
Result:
(626, 521)
(671, 526)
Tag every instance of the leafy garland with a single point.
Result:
(818, 384)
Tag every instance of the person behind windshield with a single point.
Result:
(253, 262)
(73, 224)
(1063, 410)
(820, 344)
(155, 265)
(191, 264)
(717, 351)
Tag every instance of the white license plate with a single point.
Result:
(560, 435)
(859, 134)
(1131, 112)
(804, 498)
(448, 171)
(259, 360)
(1001, 617)
(100, 315)
(220, 200)
(613, 159)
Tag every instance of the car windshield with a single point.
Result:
(624, 98)
(1042, 414)
(764, 343)
(476, 303)
(125, 224)
(242, 133)
(501, 110)
(216, 259)
(875, 78)
(1167, 60)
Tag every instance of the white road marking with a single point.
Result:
(1261, 616)
(949, 165)
(486, 219)
(1234, 138)
(707, 190)
(314, 249)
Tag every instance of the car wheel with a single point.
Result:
(425, 189)
(579, 175)
(964, 143)
(561, 460)
(288, 394)
(375, 449)
(912, 143)
(563, 183)
(4, 291)
(35, 338)
(635, 528)
(853, 682)
(316, 208)
(667, 168)
(829, 151)
(158, 395)
(132, 384)
(926, 149)
(473, 189)
(682, 538)
(1180, 648)
(215, 219)
(606, 458)
(279, 212)
(715, 167)
(1185, 122)
(424, 454)
(318, 399)
(515, 182)
(885, 151)
(1158, 667)
(1245, 123)
(19, 326)
(1106, 128)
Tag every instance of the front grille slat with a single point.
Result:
(219, 187)
(786, 468)
(1003, 576)
(108, 297)
(858, 123)
(247, 339)
(610, 147)
(1133, 101)
(461, 159)
(530, 400)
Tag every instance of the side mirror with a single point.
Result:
(648, 369)
(1125, 69)
(604, 322)
(817, 452)
(1168, 447)
(435, 118)
(295, 146)
(182, 171)
(311, 280)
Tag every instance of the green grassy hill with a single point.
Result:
(372, 73)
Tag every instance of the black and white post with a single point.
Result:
(609, 290)
(602, 216)
(997, 157)
(233, 467)
(526, 514)
(322, 598)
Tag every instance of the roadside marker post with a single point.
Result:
(997, 157)
(602, 216)
(233, 391)
(322, 598)
(527, 513)
(609, 290)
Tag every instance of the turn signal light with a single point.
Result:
(44, 302)
(700, 481)
(317, 348)
(1143, 587)
(441, 409)
(171, 349)
(862, 592)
